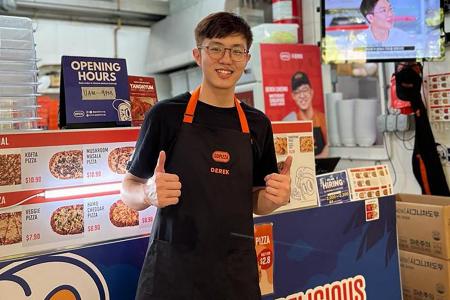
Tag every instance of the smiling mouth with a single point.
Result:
(224, 72)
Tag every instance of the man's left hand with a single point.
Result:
(278, 186)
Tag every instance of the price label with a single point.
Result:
(146, 220)
(33, 179)
(92, 228)
(265, 259)
(32, 237)
(94, 174)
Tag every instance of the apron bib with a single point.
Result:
(203, 247)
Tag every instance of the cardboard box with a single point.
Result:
(424, 277)
(423, 224)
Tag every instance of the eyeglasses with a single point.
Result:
(302, 91)
(218, 51)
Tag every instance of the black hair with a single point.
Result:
(222, 24)
(367, 7)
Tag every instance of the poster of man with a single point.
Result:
(292, 82)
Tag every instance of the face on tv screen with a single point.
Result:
(381, 30)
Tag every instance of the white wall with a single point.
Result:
(55, 38)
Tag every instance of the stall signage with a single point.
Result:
(94, 92)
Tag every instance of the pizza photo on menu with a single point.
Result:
(118, 159)
(10, 228)
(121, 215)
(10, 173)
(67, 220)
(67, 164)
(280, 145)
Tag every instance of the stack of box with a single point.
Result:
(423, 224)
(18, 74)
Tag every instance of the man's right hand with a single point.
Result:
(163, 188)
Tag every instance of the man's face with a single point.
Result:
(303, 96)
(222, 71)
(382, 16)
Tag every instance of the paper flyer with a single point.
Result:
(333, 188)
(439, 97)
(369, 182)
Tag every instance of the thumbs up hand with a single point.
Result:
(278, 186)
(163, 188)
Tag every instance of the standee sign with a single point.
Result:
(94, 92)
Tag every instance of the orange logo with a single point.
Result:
(221, 156)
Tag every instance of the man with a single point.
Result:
(211, 164)
(303, 96)
(381, 32)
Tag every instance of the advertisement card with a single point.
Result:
(369, 182)
(142, 97)
(296, 139)
(94, 92)
(265, 256)
(292, 84)
(439, 95)
(333, 188)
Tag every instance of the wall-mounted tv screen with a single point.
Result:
(381, 30)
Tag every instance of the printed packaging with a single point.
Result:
(422, 223)
(424, 277)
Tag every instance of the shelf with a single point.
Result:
(49, 91)
(377, 152)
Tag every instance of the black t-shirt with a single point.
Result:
(162, 123)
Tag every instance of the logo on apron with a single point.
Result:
(221, 156)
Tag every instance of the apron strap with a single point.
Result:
(190, 110)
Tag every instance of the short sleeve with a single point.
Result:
(265, 161)
(148, 145)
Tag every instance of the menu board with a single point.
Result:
(31, 164)
(51, 225)
(296, 139)
(42, 160)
